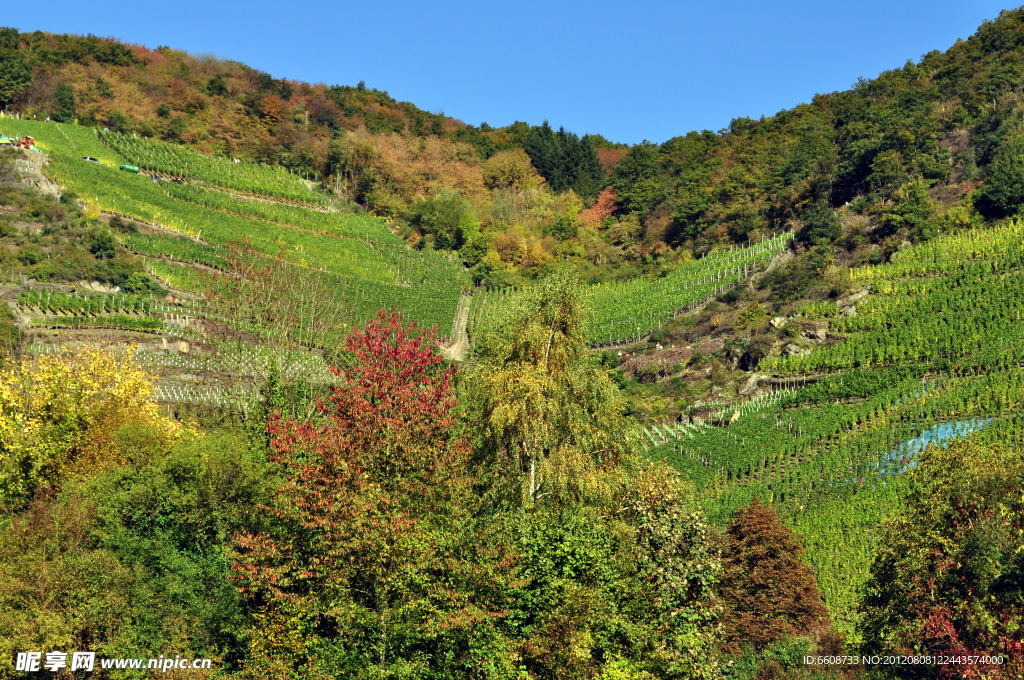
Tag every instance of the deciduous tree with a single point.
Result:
(546, 415)
(371, 570)
(768, 591)
(59, 414)
(949, 576)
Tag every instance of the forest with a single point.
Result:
(328, 386)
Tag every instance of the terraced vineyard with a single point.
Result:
(962, 314)
(247, 361)
(56, 302)
(180, 161)
(111, 321)
(365, 265)
(625, 312)
(932, 355)
(78, 311)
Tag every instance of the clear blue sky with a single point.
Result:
(630, 71)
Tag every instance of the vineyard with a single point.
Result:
(179, 161)
(56, 302)
(627, 311)
(246, 361)
(111, 321)
(364, 265)
(960, 316)
(932, 354)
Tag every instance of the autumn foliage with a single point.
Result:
(949, 576)
(361, 571)
(602, 209)
(768, 591)
(62, 414)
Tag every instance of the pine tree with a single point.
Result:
(64, 102)
(768, 591)
(545, 151)
(15, 75)
(591, 178)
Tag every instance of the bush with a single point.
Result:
(448, 218)
(1003, 194)
(821, 226)
(792, 281)
(102, 244)
(138, 284)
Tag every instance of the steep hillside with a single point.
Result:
(918, 151)
(670, 365)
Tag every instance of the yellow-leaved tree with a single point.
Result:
(66, 413)
(548, 419)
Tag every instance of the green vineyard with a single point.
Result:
(55, 302)
(960, 315)
(361, 261)
(933, 354)
(179, 161)
(111, 321)
(625, 312)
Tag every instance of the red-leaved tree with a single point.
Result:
(768, 591)
(374, 563)
(603, 208)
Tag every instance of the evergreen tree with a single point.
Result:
(592, 176)
(1003, 194)
(565, 160)
(768, 591)
(449, 218)
(582, 167)
(545, 153)
(912, 211)
(64, 104)
(14, 75)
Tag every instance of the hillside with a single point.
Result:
(705, 408)
(904, 156)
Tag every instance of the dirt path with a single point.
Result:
(459, 342)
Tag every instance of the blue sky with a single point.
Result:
(630, 71)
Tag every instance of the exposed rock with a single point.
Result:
(795, 350)
(30, 169)
(749, 386)
(850, 311)
(778, 259)
(851, 298)
(778, 321)
(815, 330)
(98, 287)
